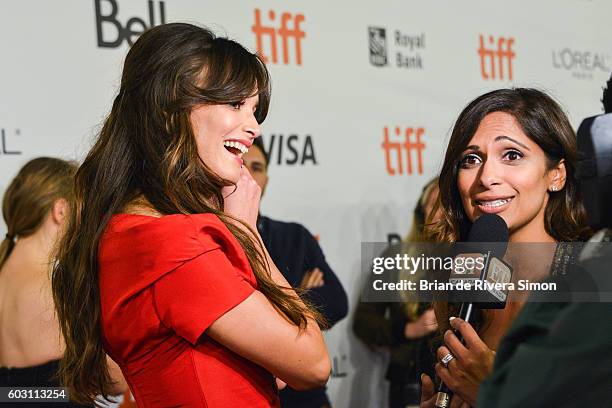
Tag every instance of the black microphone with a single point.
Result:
(482, 267)
(486, 246)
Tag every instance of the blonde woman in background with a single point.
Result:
(35, 207)
(404, 328)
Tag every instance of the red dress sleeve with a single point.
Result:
(163, 282)
(193, 265)
(189, 299)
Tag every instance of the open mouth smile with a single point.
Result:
(235, 147)
(493, 206)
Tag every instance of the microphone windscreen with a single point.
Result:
(490, 229)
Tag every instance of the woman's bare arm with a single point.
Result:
(259, 332)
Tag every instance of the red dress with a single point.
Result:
(163, 282)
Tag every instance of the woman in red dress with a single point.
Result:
(162, 266)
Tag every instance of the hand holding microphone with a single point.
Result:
(429, 395)
(472, 362)
(466, 360)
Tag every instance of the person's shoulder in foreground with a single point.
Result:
(571, 343)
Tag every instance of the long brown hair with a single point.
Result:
(30, 196)
(544, 122)
(146, 149)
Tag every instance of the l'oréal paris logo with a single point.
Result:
(8, 142)
(580, 63)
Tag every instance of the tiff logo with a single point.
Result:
(500, 51)
(406, 146)
(284, 32)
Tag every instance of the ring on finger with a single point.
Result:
(446, 359)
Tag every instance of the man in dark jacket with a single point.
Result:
(299, 258)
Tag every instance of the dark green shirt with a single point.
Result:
(557, 354)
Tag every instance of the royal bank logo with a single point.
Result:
(582, 64)
(400, 50)
(291, 149)
(378, 46)
(403, 148)
(9, 141)
(289, 29)
(496, 57)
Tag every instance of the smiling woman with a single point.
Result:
(161, 264)
(223, 133)
(513, 153)
(504, 172)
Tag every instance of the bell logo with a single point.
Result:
(133, 27)
(284, 32)
(404, 146)
(500, 51)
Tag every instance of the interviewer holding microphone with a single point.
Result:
(512, 152)
(162, 265)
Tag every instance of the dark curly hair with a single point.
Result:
(607, 96)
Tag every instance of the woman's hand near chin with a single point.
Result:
(242, 200)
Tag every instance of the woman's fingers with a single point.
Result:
(455, 346)
(472, 340)
(445, 376)
(442, 353)
(457, 402)
(242, 199)
(428, 393)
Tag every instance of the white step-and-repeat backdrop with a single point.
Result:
(364, 96)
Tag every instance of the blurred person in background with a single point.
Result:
(405, 328)
(35, 208)
(298, 256)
